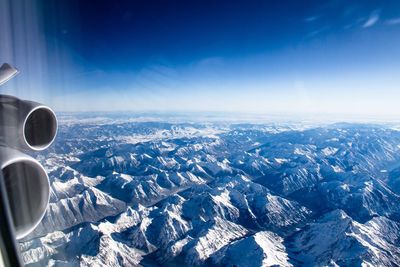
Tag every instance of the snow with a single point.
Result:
(221, 234)
(281, 160)
(261, 249)
(329, 151)
(337, 169)
(336, 237)
(126, 192)
(274, 250)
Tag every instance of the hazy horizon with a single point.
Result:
(310, 119)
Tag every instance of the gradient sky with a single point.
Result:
(339, 57)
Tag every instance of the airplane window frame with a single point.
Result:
(9, 253)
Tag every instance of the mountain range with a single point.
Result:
(131, 192)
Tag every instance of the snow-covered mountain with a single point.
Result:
(126, 192)
(336, 239)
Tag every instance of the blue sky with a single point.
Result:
(313, 57)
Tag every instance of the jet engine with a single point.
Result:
(24, 126)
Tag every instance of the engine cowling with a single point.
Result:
(27, 187)
(25, 124)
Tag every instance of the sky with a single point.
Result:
(291, 57)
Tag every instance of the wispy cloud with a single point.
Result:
(311, 18)
(393, 21)
(372, 20)
(317, 32)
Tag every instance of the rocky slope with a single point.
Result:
(127, 193)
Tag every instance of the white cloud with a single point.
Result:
(393, 21)
(372, 20)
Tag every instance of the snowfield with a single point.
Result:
(147, 192)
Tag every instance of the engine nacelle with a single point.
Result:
(28, 189)
(26, 124)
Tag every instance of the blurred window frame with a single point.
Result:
(9, 251)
